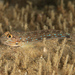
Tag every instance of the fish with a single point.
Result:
(16, 38)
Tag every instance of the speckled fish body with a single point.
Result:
(21, 38)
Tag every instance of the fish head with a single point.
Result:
(8, 39)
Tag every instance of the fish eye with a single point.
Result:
(9, 36)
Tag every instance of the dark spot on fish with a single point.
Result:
(67, 36)
(48, 37)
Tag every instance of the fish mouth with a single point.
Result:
(13, 45)
(10, 43)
